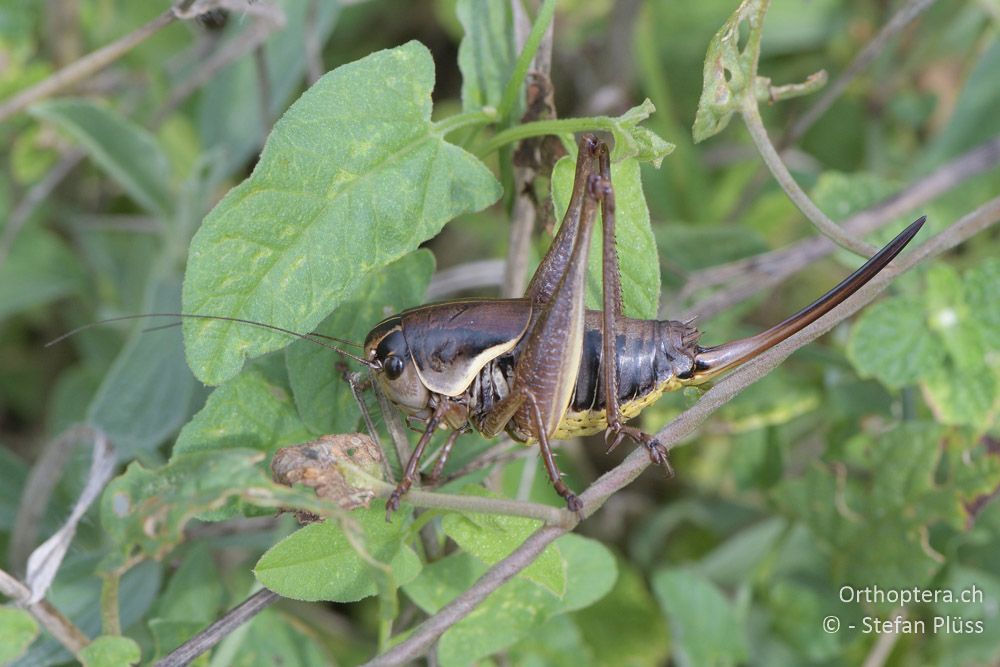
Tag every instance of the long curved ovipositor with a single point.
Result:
(713, 361)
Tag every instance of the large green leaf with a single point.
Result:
(321, 562)
(125, 151)
(353, 177)
(322, 395)
(486, 55)
(891, 342)
(707, 628)
(638, 261)
(147, 393)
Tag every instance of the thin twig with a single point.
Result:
(902, 18)
(84, 67)
(312, 46)
(753, 274)
(60, 627)
(468, 276)
(751, 118)
(424, 636)
(213, 634)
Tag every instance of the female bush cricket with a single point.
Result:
(542, 367)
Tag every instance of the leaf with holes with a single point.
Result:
(730, 72)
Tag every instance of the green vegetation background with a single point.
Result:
(869, 459)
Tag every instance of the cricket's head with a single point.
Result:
(395, 372)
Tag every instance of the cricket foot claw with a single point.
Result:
(392, 504)
(574, 504)
(658, 454)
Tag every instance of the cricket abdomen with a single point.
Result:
(653, 357)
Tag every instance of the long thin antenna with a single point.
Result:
(311, 337)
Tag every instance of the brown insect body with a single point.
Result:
(542, 367)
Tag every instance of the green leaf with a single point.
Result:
(352, 178)
(321, 562)
(626, 626)
(18, 630)
(707, 629)
(492, 537)
(275, 638)
(730, 73)
(110, 651)
(486, 54)
(633, 141)
(322, 396)
(639, 264)
(982, 294)
(556, 643)
(254, 410)
(39, 270)
(891, 342)
(512, 611)
(126, 152)
(963, 398)
(190, 601)
(144, 511)
(229, 110)
(952, 320)
(147, 393)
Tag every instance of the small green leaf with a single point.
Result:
(126, 152)
(320, 562)
(486, 54)
(278, 638)
(891, 342)
(951, 318)
(633, 141)
(322, 395)
(254, 410)
(707, 628)
(18, 630)
(639, 264)
(730, 73)
(492, 537)
(352, 178)
(110, 651)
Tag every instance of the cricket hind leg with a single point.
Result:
(573, 502)
(613, 311)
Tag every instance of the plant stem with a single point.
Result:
(541, 128)
(751, 117)
(110, 617)
(510, 93)
(448, 125)
(60, 627)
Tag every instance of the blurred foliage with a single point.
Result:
(870, 459)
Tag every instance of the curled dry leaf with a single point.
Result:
(322, 464)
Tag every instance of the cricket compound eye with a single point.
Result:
(393, 367)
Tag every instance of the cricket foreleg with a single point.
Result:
(413, 465)
(443, 455)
